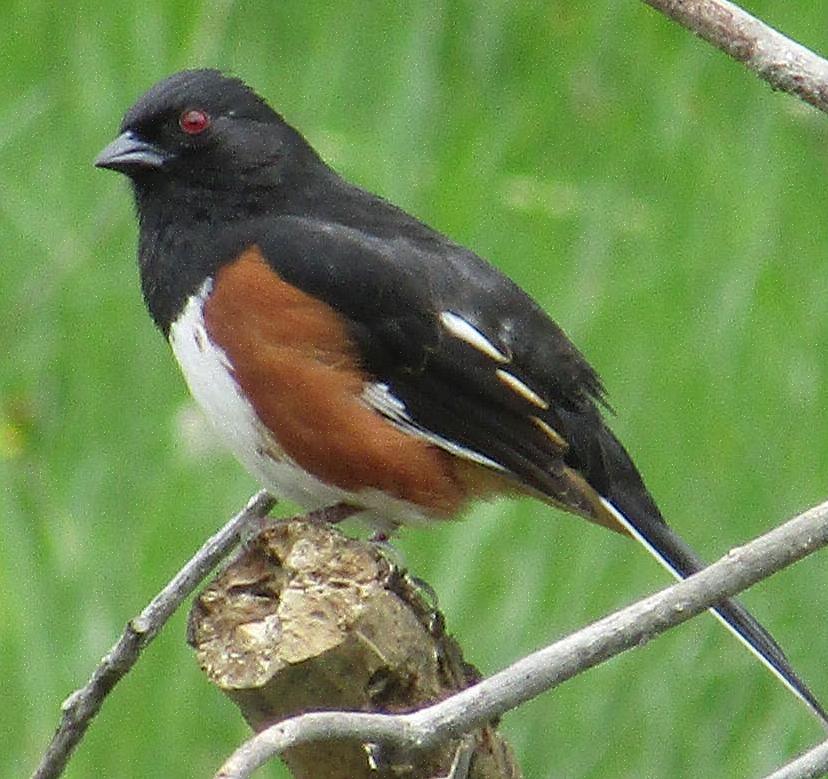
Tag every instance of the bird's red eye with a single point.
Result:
(194, 121)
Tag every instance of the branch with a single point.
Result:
(78, 710)
(812, 764)
(547, 668)
(785, 64)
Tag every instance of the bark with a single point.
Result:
(308, 620)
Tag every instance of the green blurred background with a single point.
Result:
(660, 201)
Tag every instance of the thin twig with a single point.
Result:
(548, 667)
(785, 64)
(82, 705)
(811, 765)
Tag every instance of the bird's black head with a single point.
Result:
(209, 160)
(201, 129)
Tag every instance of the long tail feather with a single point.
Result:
(677, 557)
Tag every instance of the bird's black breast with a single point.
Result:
(184, 238)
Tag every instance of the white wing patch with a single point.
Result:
(553, 435)
(460, 328)
(379, 397)
(521, 388)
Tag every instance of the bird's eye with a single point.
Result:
(194, 121)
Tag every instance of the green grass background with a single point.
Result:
(664, 205)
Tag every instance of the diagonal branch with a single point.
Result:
(785, 64)
(81, 706)
(811, 765)
(547, 668)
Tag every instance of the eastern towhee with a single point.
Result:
(353, 357)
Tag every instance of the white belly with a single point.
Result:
(209, 376)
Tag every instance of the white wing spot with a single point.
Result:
(461, 329)
(521, 388)
(379, 397)
(553, 435)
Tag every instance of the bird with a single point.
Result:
(355, 360)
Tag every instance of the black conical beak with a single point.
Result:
(129, 154)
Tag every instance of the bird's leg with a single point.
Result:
(380, 757)
(332, 515)
(462, 760)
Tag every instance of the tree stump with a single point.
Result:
(306, 619)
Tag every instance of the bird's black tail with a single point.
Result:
(677, 557)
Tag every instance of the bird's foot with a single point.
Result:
(332, 515)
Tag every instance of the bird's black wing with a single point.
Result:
(427, 319)
(463, 356)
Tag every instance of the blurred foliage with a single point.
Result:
(660, 201)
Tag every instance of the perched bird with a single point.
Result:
(353, 358)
